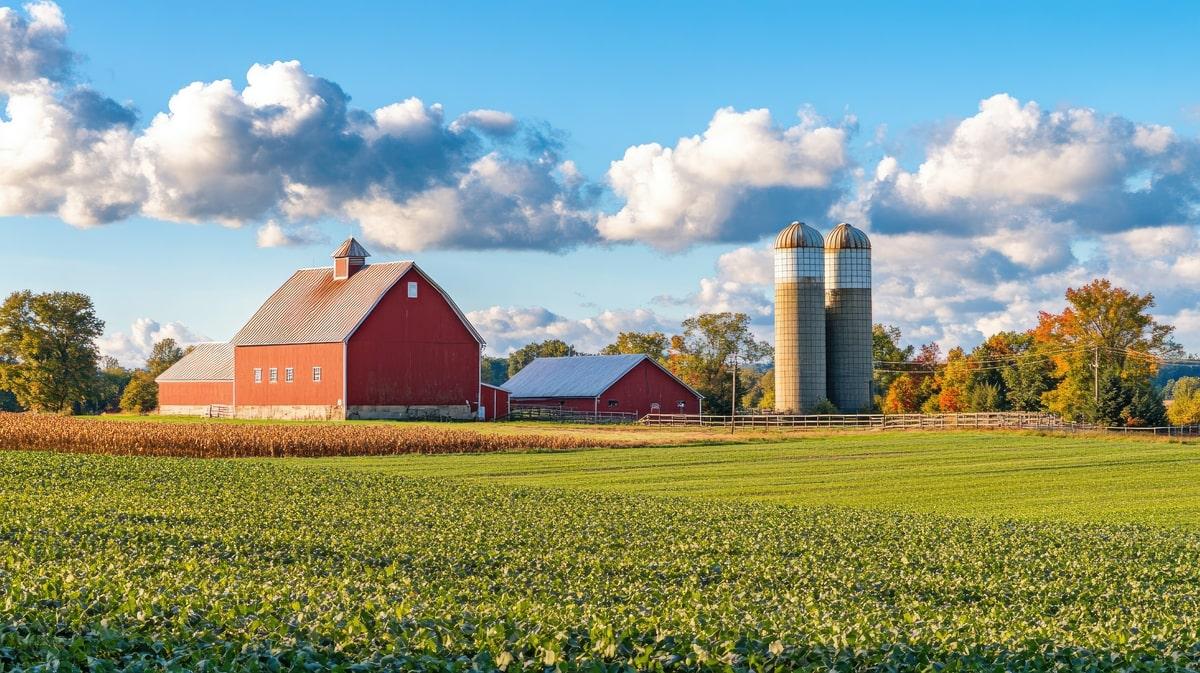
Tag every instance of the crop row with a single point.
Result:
(222, 440)
(139, 564)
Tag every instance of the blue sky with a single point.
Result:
(885, 79)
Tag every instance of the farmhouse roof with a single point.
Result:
(312, 307)
(206, 362)
(577, 376)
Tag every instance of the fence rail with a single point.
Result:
(535, 413)
(1011, 420)
(1023, 420)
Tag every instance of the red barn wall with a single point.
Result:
(301, 391)
(413, 352)
(494, 401)
(194, 393)
(644, 385)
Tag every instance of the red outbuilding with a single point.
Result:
(495, 402)
(201, 380)
(635, 384)
(354, 340)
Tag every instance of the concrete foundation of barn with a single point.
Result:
(184, 409)
(455, 412)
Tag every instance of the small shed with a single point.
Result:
(202, 378)
(494, 401)
(635, 384)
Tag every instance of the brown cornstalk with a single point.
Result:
(221, 440)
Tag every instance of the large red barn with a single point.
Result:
(354, 340)
(635, 384)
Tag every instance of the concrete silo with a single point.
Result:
(799, 318)
(848, 318)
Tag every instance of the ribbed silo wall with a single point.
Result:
(799, 329)
(848, 328)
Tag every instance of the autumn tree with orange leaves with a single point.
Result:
(1105, 333)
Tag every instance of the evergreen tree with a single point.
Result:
(1146, 409)
(1114, 398)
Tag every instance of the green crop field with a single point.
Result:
(937, 552)
(988, 474)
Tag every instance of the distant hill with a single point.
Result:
(1171, 372)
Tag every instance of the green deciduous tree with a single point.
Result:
(1027, 381)
(889, 357)
(493, 370)
(163, 354)
(111, 379)
(654, 344)
(48, 349)
(551, 348)
(702, 355)
(141, 394)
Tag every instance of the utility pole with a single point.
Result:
(1096, 375)
(733, 401)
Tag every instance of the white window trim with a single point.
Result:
(258, 374)
(289, 375)
(412, 289)
(273, 375)
(316, 374)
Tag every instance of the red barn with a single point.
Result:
(354, 340)
(634, 384)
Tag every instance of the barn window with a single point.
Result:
(289, 375)
(258, 375)
(412, 289)
(681, 404)
(273, 375)
(316, 374)
(612, 403)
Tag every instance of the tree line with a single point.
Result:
(1093, 362)
(49, 360)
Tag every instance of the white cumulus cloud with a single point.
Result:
(508, 328)
(738, 179)
(131, 348)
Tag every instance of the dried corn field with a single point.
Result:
(202, 440)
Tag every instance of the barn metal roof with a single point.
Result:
(350, 248)
(206, 362)
(312, 307)
(576, 376)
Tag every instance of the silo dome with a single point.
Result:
(844, 237)
(799, 235)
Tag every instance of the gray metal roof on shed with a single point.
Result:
(575, 376)
(206, 362)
